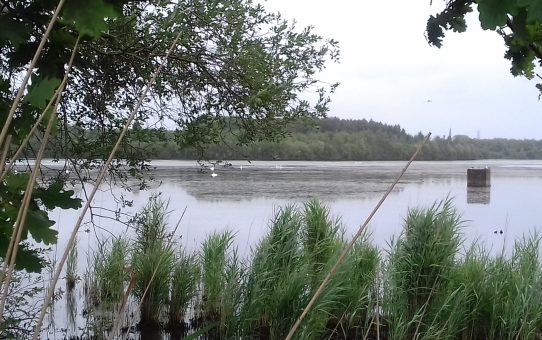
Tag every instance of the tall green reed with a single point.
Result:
(287, 266)
(276, 285)
(221, 282)
(419, 267)
(515, 288)
(463, 300)
(185, 279)
(152, 261)
(492, 297)
(346, 306)
(427, 288)
(321, 237)
(108, 272)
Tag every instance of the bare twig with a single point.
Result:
(15, 237)
(20, 92)
(101, 176)
(116, 321)
(13, 247)
(350, 245)
(23, 213)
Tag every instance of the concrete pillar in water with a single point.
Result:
(479, 177)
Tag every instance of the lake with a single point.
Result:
(243, 196)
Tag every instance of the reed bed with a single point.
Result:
(152, 261)
(107, 273)
(427, 285)
(185, 280)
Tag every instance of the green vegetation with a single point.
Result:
(220, 284)
(419, 269)
(224, 75)
(429, 286)
(152, 261)
(184, 287)
(107, 272)
(334, 139)
(20, 312)
(220, 76)
(519, 23)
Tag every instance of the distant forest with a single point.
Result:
(334, 139)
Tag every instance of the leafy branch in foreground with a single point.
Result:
(519, 23)
(236, 68)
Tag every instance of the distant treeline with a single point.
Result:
(330, 139)
(334, 139)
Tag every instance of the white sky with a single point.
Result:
(388, 71)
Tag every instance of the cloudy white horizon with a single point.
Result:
(389, 73)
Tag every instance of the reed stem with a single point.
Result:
(20, 92)
(99, 180)
(350, 245)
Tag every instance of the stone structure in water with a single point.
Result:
(479, 177)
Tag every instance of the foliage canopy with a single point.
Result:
(518, 22)
(236, 67)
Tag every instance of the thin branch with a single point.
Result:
(5, 154)
(23, 213)
(22, 87)
(350, 245)
(100, 178)
(13, 247)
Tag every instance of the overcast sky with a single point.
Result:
(388, 71)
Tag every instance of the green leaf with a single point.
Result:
(63, 38)
(27, 259)
(41, 91)
(533, 9)
(38, 224)
(494, 13)
(49, 114)
(534, 12)
(16, 183)
(89, 16)
(200, 332)
(520, 25)
(14, 31)
(56, 197)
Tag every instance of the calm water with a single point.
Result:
(243, 197)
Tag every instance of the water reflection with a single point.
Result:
(244, 200)
(71, 310)
(478, 195)
(299, 182)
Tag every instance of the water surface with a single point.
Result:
(243, 198)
